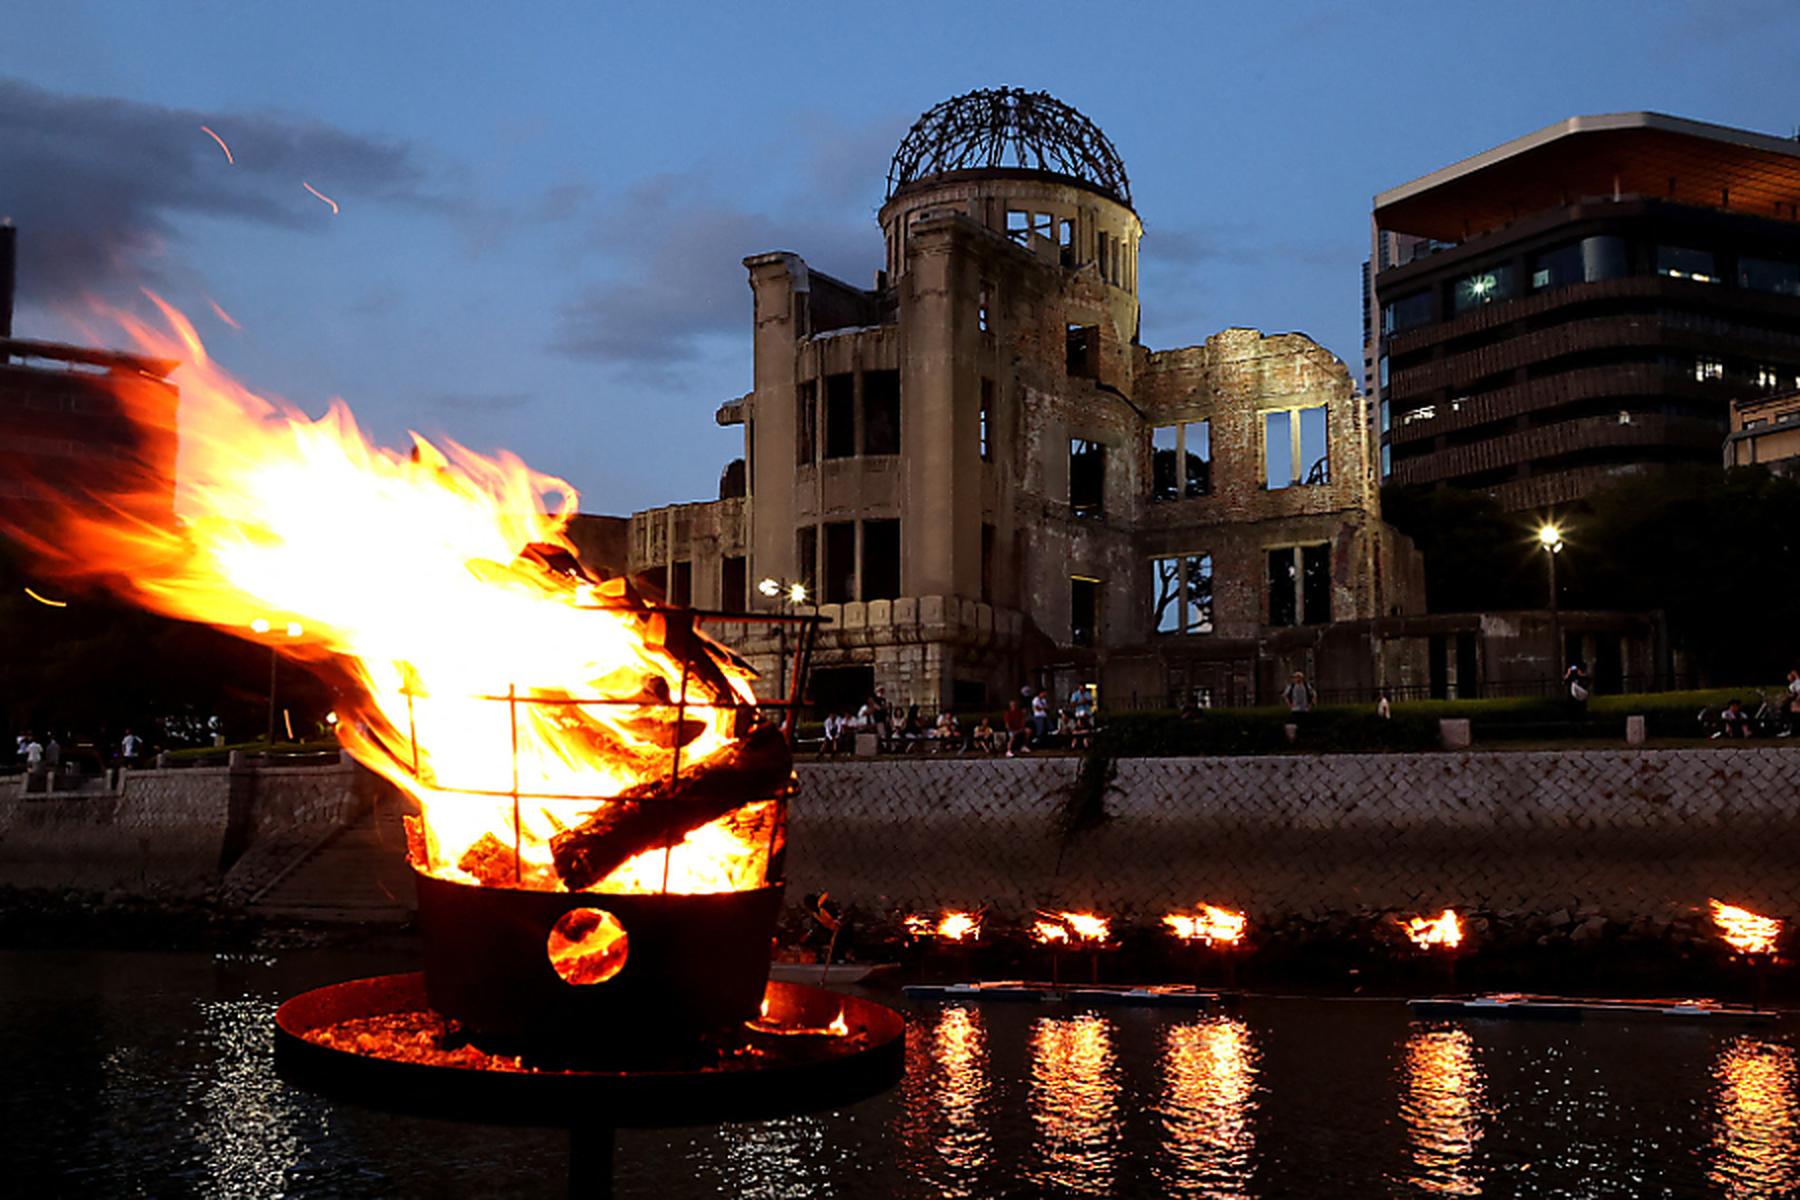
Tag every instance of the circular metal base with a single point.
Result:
(775, 1073)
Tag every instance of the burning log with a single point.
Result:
(643, 820)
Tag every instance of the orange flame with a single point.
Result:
(1051, 928)
(1745, 931)
(222, 314)
(404, 571)
(1445, 930)
(915, 925)
(959, 926)
(839, 1027)
(1212, 925)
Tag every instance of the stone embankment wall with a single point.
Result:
(1628, 833)
(173, 832)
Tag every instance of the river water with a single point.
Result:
(151, 1074)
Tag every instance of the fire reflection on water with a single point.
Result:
(1209, 1098)
(963, 1143)
(1756, 1139)
(1075, 1104)
(1441, 1107)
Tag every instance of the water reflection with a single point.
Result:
(1208, 1099)
(1757, 1136)
(251, 1127)
(1074, 1104)
(964, 1143)
(790, 1158)
(1441, 1107)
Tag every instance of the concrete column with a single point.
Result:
(779, 285)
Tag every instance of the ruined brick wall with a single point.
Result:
(1629, 833)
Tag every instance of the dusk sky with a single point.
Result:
(544, 207)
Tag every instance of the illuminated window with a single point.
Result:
(1680, 262)
(1767, 378)
(1181, 461)
(1181, 586)
(1483, 287)
(1708, 369)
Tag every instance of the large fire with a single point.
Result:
(1054, 928)
(513, 697)
(1745, 931)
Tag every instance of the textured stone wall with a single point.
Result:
(172, 831)
(1629, 833)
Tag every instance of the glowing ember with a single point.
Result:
(45, 600)
(1745, 931)
(321, 195)
(1061, 927)
(215, 137)
(1212, 925)
(516, 701)
(959, 926)
(839, 1027)
(588, 945)
(1444, 930)
(916, 926)
(223, 315)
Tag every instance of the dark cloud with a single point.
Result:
(675, 252)
(98, 185)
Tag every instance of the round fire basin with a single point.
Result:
(789, 1067)
(693, 964)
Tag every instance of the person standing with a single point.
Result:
(53, 755)
(1040, 717)
(1299, 694)
(130, 746)
(1018, 737)
(1791, 706)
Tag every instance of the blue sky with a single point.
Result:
(544, 206)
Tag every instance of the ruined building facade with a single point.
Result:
(984, 479)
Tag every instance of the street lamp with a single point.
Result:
(294, 630)
(788, 596)
(1551, 539)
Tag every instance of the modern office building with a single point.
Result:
(1766, 432)
(1584, 301)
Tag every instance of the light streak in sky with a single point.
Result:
(215, 137)
(321, 195)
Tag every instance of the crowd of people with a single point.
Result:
(1031, 722)
(43, 754)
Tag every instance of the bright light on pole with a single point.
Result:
(796, 593)
(1550, 538)
(770, 587)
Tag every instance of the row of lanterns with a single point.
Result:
(1744, 931)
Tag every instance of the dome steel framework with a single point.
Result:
(1009, 127)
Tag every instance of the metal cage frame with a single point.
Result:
(1009, 128)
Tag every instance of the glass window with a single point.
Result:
(1486, 286)
(1087, 478)
(1386, 414)
(1383, 369)
(840, 416)
(1181, 585)
(1604, 257)
(1387, 460)
(1556, 268)
(1769, 275)
(1084, 610)
(1707, 370)
(1768, 378)
(1680, 262)
(1406, 312)
(881, 412)
(1278, 449)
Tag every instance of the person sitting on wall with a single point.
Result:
(834, 733)
(982, 740)
(1018, 733)
(911, 731)
(1734, 722)
(1081, 732)
(947, 733)
(1065, 725)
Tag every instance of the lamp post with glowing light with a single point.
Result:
(262, 626)
(1551, 539)
(787, 597)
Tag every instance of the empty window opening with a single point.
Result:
(881, 412)
(1181, 585)
(1181, 461)
(1296, 448)
(840, 416)
(1082, 343)
(987, 420)
(1283, 592)
(881, 560)
(806, 423)
(1084, 610)
(733, 576)
(1087, 478)
(987, 563)
(681, 582)
(1315, 584)
(806, 557)
(840, 562)
(982, 307)
(1018, 224)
